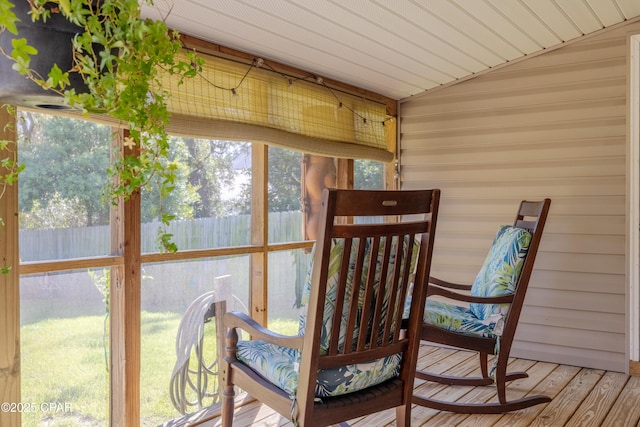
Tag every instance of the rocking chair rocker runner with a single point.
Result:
(353, 356)
(489, 324)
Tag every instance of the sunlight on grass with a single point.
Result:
(63, 361)
(158, 357)
(284, 326)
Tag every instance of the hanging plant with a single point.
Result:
(120, 58)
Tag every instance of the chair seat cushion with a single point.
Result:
(458, 319)
(279, 365)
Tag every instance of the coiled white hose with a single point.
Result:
(187, 381)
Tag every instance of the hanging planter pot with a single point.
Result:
(52, 39)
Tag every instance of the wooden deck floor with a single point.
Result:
(581, 397)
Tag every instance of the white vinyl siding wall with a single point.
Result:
(553, 125)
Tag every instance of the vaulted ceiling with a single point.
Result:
(398, 48)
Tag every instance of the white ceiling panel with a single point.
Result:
(485, 41)
(606, 11)
(501, 25)
(528, 23)
(398, 48)
(629, 8)
(412, 56)
(554, 18)
(437, 36)
(583, 16)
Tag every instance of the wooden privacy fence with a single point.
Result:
(199, 233)
(165, 286)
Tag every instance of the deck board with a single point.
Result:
(596, 406)
(581, 397)
(551, 386)
(626, 410)
(560, 410)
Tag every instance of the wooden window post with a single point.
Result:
(125, 308)
(9, 284)
(258, 301)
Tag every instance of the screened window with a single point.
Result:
(211, 204)
(67, 310)
(62, 212)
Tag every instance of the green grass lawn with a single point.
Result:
(63, 362)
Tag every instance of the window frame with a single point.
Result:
(126, 261)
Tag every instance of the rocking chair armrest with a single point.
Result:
(434, 290)
(237, 319)
(449, 285)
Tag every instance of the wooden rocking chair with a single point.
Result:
(354, 358)
(489, 324)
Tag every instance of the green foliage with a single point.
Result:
(62, 361)
(284, 179)
(10, 168)
(66, 161)
(283, 186)
(203, 169)
(102, 282)
(63, 185)
(368, 175)
(211, 172)
(8, 19)
(57, 213)
(121, 58)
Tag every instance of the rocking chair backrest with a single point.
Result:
(508, 263)
(358, 257)
(359, 282)
(532, 216)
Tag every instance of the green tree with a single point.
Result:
(212, 171)
(368, 175)
(285, 169)
(65, 163)
(179, 203)
(283, 186)
(65, 176)
(285, 181)
(203, 169)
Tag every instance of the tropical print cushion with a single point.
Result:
(501, 270)
(458, 319)
(332, 283)
(329, 308)
(279, 365)
(454, 318)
